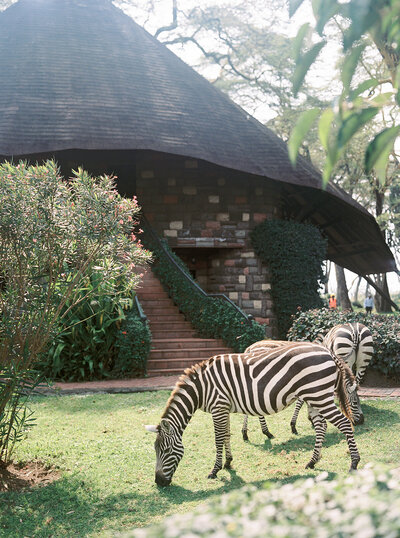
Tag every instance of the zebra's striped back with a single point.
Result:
(265, 382)
(353, 343)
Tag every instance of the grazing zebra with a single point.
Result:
(353, 343)
(255, 384)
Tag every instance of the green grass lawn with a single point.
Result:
(107, 462)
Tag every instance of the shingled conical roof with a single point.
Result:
(80, 74)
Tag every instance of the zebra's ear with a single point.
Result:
(165, 425)
(150, 428)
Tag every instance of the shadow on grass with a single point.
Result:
(375, 418)
(71, 507)
(177, 494)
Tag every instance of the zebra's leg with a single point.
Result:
(264, 427)
(221, 426)
(263, 424)
(244, 428)
(331, 413)
(319, 424)
(227, 444)
(299, 404)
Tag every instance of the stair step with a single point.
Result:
(160, 303)
(173, 353)
(173, 364)
(167, 371)
(163, 314)
(148, 294)
(186, 343)
(176, 345)
(169, 326)
(161, 308)
(173, 333)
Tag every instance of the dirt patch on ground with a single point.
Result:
(21, 476)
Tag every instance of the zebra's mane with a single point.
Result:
(188, 374)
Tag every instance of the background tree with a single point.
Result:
(246, 50)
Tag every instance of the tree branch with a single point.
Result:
(174, 23)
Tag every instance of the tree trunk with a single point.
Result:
(328, 266)
(342, 292)
(381, 304)
(356, 291)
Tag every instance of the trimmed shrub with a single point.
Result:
(294, 253)
(385, 331)
(211, 317)
(366, 503)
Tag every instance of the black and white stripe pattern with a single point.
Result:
(259, 383)
(353, 343)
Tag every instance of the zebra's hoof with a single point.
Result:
(294, 430)
(310, 465)
(245, 436)
(228, 464)
(269, 435)
(353, 466)
(212, 476)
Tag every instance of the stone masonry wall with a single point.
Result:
(206, 213)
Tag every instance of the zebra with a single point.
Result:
(255, 384)
(353, 343)
(260, 346)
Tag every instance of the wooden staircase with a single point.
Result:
(175, 345)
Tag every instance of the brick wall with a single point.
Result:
(206, 213)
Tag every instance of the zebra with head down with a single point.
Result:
(255, 384)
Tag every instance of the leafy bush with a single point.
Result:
(385, 330)
(132, 345)
(53, 234)
(294, 253)
(88, 344)
(211, 317)
(366, 503)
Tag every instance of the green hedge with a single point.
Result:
(363, 504)
(385, 331)
(211, 317)
(294, 253)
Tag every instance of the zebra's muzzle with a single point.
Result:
(161, 480)
(360, 420)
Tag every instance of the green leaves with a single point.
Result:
(303, 65)
(349, 66)
(294, 6)
(300, 130)
(298, 41)
(369, 22)
(379, 149)
(324, 127)
(353, 123)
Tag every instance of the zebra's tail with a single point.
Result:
(346, 383)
